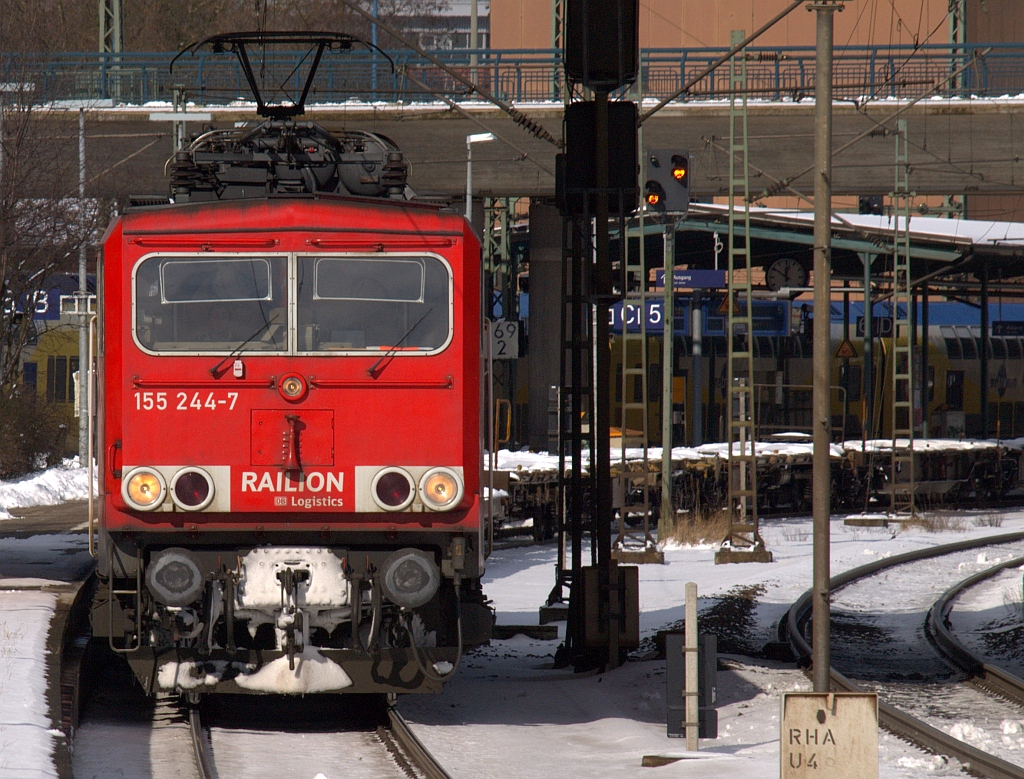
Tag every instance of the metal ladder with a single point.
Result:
(633, 413)
(743, 537)
(576, 490)
(902, 322)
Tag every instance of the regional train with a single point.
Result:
(289, 428)
(948, 383)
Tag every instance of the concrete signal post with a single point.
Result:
(822, 440)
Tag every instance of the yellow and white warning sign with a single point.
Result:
(846, 350)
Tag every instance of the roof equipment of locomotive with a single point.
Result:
(280, 155)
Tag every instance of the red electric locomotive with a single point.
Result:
(290, 423)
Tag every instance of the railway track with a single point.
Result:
(986, 677)
(392, 749)
(155, 746)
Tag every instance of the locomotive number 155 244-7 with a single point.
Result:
(184, 401)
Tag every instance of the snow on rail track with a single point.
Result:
(315, 736)
(922, 696)
(125, 735)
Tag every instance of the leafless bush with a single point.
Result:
(988, 520)
(940, 522)
(795, 534)
(33, 433)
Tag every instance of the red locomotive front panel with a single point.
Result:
(330, 375)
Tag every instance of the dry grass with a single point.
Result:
(694, 528)
(940, 522)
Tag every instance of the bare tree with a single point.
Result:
(168, 25)
(42, 221)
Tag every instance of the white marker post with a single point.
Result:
(692, 673)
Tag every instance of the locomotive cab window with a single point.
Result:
(373, 304)
(211, 304)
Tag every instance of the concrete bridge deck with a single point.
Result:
(958, 146)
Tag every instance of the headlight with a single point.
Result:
(410, 578)
(392, 489)
(192, 489)
(441, 489)
(292, 387)
(174, 577)
(143, 489)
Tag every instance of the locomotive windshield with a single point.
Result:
(370, 303)
(211, 304)
(344, 304)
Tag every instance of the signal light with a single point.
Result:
(680, 169)
(143, 489)
(192, 489)
(440, 489)
(393, 489)
(668, 181)
(654, 196)
(292, 387)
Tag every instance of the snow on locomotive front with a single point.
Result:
(290, 426)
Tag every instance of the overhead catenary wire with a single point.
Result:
(785, 183)
(525, 155)
(687, 86)
(517, 116)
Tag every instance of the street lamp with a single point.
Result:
(470, 140)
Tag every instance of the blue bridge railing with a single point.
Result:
(786, 73)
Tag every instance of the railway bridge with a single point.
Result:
(963, 105)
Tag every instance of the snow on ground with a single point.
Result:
(46, 488)
(26, 739)
(509, 714)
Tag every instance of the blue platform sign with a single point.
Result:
(655, 317)
(44, 304)
(693, 279)
(770, 317)
(1005, 327)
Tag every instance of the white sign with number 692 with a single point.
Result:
(504, 340)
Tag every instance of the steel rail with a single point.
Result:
(200, 744)
(892, 719)
(985, 675)
(414, 748)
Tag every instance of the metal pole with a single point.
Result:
(925, 399)
(373, 38)
(469, 182)
(474, 39)
(983, 357)
(696, 372)
(83, 305)
(869, 386)
(602, 358)
(492, 456)
(846, 360)
(666, 525)
(822, 338)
